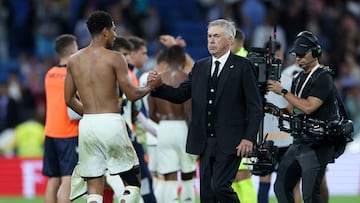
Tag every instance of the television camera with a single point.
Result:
(267, 67)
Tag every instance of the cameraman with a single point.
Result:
(312, 95)
(271, 122)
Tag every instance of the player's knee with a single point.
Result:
(188, 176)
(131, 177)
(131, 195)
(171, 176)
(94, 198)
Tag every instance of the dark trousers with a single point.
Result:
(300, 161)
(217, 172)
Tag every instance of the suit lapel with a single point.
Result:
(229, 66)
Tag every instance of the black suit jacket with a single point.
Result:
(238, 103)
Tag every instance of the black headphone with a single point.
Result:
(316, 49)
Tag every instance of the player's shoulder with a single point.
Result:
(114, 55)
(78, 54)
(75, 57)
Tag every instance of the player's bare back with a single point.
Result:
(93, 72)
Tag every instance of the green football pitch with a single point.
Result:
(333, 199)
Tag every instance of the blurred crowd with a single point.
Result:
(28, 29)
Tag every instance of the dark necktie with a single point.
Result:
(216, 71)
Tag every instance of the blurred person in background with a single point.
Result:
(266, 29)
(29, 136)
(138, 56)
(172, 134)
(162, 63)
(349, 77)
(61, 133)
(80, 30)
(10, 117)
(9, 114)
(15, 87)
(351, 87)
(168, 41)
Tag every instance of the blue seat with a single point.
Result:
(180, 18)
(3, 77)
(9, 65)
(194, 33)
(197, 52)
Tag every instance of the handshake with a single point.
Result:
(154, 80)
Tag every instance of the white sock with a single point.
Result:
(94, 198)
(188, 191)
(170, 192)
(133, 194)
(159, 193)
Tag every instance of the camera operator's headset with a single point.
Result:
(316, 49)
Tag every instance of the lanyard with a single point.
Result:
(306, 80)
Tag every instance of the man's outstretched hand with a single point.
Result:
(154, 80)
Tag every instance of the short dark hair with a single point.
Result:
(239, 36)
(137, 42)
(176, 55)
(122, 42)
(161, 56)
(97, 21)
(62, 44)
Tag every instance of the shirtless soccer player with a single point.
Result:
(96, 72)
(172, 135)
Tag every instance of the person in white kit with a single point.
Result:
(162, 65)
(172, 135)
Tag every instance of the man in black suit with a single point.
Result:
(226, 112)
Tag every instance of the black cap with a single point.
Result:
(301, 46)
